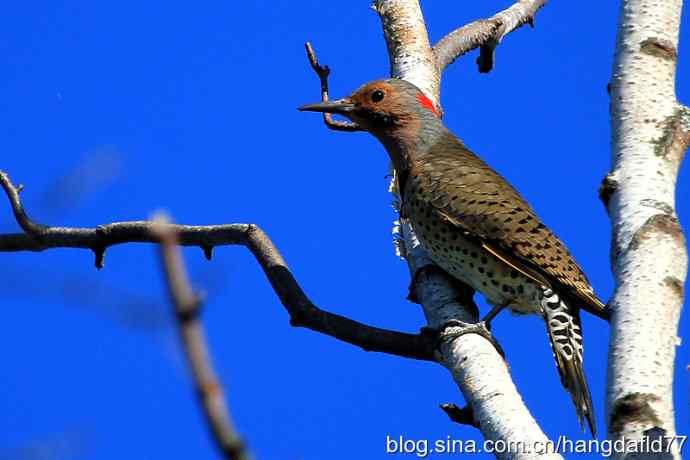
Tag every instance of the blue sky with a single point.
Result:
(112, 111)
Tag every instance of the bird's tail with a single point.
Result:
(563, 325)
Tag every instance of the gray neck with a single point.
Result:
(409, 143)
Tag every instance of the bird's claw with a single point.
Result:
(454, 328)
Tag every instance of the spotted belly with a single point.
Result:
(467, 261)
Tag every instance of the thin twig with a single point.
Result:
(303, 313)
(323, 72)
(32, 229)
(485, 34)
(187, 310)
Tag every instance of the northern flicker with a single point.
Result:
(475, 225)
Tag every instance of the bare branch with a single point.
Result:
(462, 415)
(485, 34)
(95, 171)
(32, 229)
(303, 312)
(187, 309)
(74, 442)
(323, 72)
(477, 368)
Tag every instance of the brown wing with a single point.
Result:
(472, 196)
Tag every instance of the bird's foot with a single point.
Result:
(454, 328)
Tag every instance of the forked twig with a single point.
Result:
(323, 72)
(303, 312)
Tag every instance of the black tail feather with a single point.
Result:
(563, 325)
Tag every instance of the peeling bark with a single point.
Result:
(477, 368)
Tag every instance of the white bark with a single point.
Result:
(486, 33)
(477, 368)
(651, 132)
(409, 49)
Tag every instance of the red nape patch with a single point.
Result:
(427, 103)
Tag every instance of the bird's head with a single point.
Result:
(382, 107)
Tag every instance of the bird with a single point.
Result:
(475, 225)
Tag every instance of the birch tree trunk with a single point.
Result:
(477, 368)
(650, 134)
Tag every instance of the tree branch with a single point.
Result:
(323, 72)
(187, 310)
(651, 133)
(303, 313)
(485, 34)
(409, 50)
(460, 415)
(34, 230)
(476, 366)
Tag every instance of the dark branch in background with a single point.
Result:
(97, 170)
(323, 72)
(485, 34)
(74, 442)
(303, 313)
(187, 310)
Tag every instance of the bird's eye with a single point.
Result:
(377, 96)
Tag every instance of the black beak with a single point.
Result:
(340, 106)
